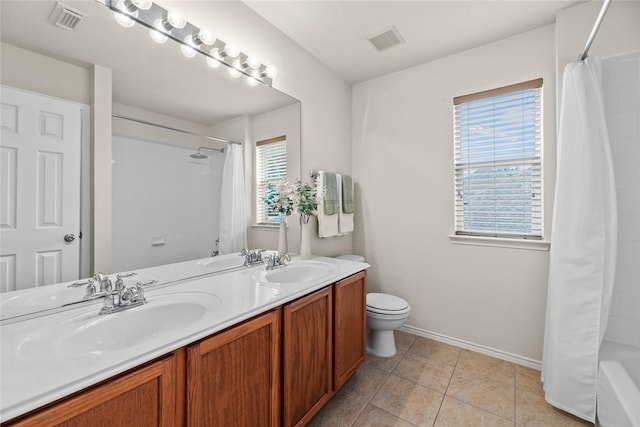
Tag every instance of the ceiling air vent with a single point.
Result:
(65, 17)
(386, 39)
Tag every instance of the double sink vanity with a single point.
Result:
(216, 343)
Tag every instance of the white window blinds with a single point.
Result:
(271, 166)
(497, 155)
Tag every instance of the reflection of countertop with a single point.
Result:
(51, 297)
(36, 370)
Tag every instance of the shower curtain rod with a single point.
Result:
(594, 30)
(213, 138)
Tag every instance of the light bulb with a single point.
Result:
(206, 37)
(251, 81)
(156, 34)
(215, 52)
(271, 71)
(212, 62)
(175, 20)
(142, 4)
(188, 51)
(124, 20)
(231, 50)
(253, 62)
(125, 12)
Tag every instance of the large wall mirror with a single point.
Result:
(165, 197)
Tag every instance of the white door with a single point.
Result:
(39, 190)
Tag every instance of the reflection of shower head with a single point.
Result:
(201, 156)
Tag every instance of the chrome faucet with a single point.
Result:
(123, 298)
(92, 292)
(277, 260)
(104, 281)
(117, 297)
(252, 257)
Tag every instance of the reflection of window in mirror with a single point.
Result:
(271, 166)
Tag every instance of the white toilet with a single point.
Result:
(385, 313)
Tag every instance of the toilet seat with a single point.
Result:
(386, 304)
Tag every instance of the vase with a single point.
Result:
(283, 248)
(305, 239)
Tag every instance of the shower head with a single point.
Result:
(201, 156)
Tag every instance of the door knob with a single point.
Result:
(69, 237)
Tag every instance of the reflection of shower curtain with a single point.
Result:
(583, 245)
(233, 223)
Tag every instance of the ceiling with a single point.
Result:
(335, 31)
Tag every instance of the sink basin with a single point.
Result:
(92, 334)
(294, 273)
(222, 263)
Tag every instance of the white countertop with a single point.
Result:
(36, 369)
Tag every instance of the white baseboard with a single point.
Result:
(499, 354)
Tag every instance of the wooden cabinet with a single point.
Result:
(279, 368)
(349, 327)
(233, 378)
(307, 356)
(144, 397)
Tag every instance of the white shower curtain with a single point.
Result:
(583, 245)
(233, 223)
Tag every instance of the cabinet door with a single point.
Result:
(233, 378)
(144, 397)
(307, 364)
(350, 327)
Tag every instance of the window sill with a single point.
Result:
(532, 245)
(267, 227)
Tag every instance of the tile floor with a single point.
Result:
(429, 383)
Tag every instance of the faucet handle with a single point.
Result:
(147, 283)
(244, 252)
(119, 282)
(139, 292)
(80, 283)
(91, 290)
(105, 282)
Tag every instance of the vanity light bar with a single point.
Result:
(191, 40)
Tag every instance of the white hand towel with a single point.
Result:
(345, 220)
(327, 224)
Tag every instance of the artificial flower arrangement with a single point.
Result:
(306, 201)
(279, 198)
(284, 198)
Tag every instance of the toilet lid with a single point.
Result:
(385, 303)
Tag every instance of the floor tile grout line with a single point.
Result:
(395, 416)
(478, 407)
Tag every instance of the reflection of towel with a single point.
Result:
(347, 194)
(327, 224)
(331, 201)
(345, 220)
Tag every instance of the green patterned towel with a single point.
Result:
(331, 193)
(347, 194)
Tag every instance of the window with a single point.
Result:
(497, 156)
(271, 166)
